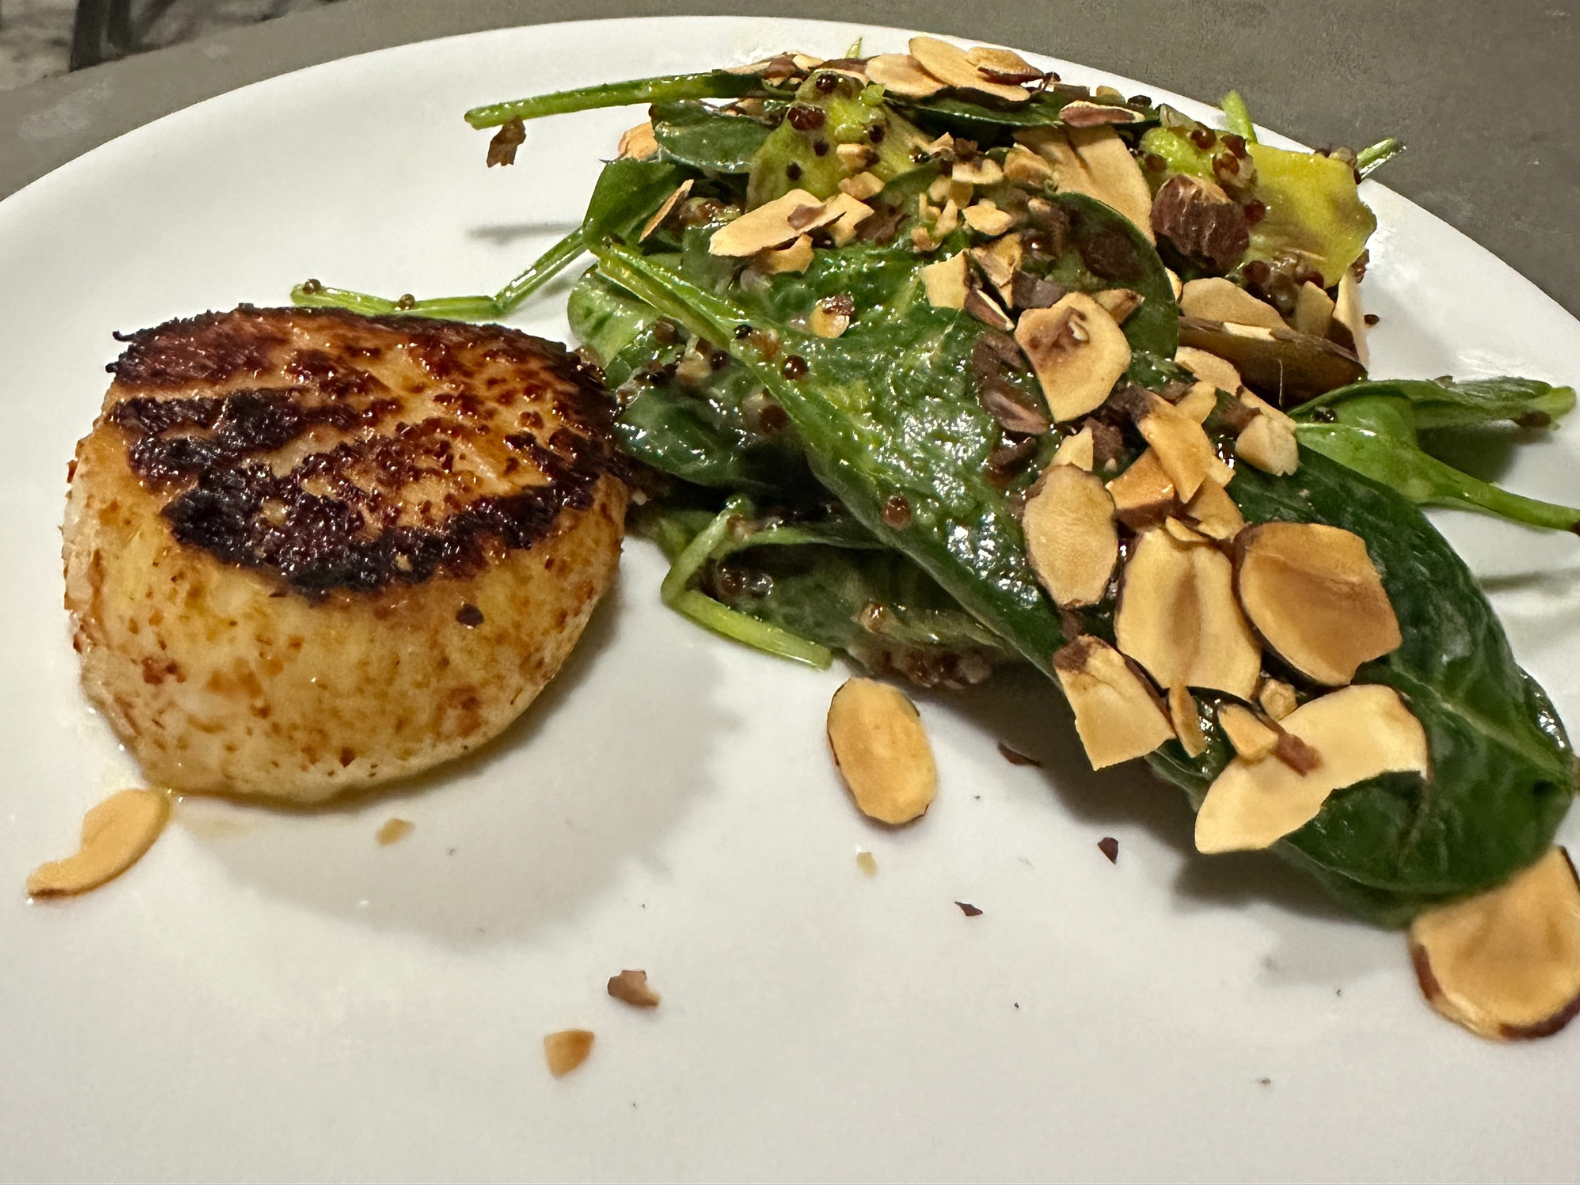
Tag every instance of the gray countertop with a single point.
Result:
(1486, 96)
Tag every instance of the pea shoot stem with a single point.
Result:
(711, 84)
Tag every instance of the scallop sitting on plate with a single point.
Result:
(308, 551)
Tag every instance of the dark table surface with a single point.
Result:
(1487, 96)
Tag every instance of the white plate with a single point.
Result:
(275, 996)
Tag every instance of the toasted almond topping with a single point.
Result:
(901, 74)
(862, 186)
(1179, 619)
(999, 260)
(797, 257)
(767, 226)
(631, 987)
(830, 317)
(1120, 302)
(1143, 493)
(948, 220)
(979, 170)
(115, 834)
(1187, 721)
(1183, 531)
(949, 63)
(986, 218)
(1199, 402)
(1215, 513)
(881, 751)
(1314, 594)
(993, 61)
(1313, 310)
(855, 157)
(1175, 286)
(843, 214)
(1076, 449)
(1252, 739)
(657, 220)
(1357, 732)
(805, 63)
(867, 862)
(938, 191)
(1209, 368)
(1217, 299)
(945, 282)
(1180, 443)
(566, 1050)
(1348, 313)
(1268, 441)
(1117, 713)
(1276, 698)
(638, 143)
(1505, 964)
(988, 311)
(1025, 167)
(393, 831)
(942, 148)
(1076, 351)
(962, 192)
(1071, 540)
(922, 241)
(1096, 162)
(1083, 114)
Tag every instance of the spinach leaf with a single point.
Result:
(1503, 772)
(694, 134)
(1443, 403)
(1108, 251)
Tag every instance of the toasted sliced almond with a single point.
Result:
(1348, 313)
(1217, 299)
(1071, 539)
(945, 282)
(1214, 512)
(1505, 964)
(566, 1050)
(1025, 167)
(797, 257)
(1117, 714)
(1358, 733)
(1199, 402)
(1082, 114)
(1251, 739)
(881, 751)
(999, 260)
(115, 834)
(988, 311)
(1268, 441)
(1183, 531)
(1313, 310)
(1314, 594)
(657, 220)
(638, 143)
(1116, 176)
(862, 186)
(1077, 352)
(1187, 721)
(1276, 698)
(1209, 368)
(1120, 302)
(995, 62)
(949, 63)
(1178, 617)
(847, 213)
(764, 228)
(979, 170)
(1144, 493)
(986, 218)
(1077, 449)
(901, 74)
(631, 987)
(1181, 445)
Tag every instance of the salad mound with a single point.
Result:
(942, 362)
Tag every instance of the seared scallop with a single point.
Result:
(308, 551)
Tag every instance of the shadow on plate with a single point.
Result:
(504, 234)
(521, 833)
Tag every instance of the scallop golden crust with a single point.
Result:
(308, 551)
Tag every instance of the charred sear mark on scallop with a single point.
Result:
(354, 453)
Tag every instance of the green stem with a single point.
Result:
(712, 84)
(1238, 117)
(1369, 160)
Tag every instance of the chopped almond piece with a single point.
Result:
(1252, 739)
(1117, 714)
(945, 282)
(1179, 619)
(638, 143)
(1348, 313)
(393, 831)
(1215, 512)
(999, 260)
(862, 186)
(1268, 441)
(767, 226)
(1071, 540)
(631, 988)
(1199, 402)
(1209, 368)
(867, 862)
(949, 63)
(846, 214)
(1182, 531)
(1120, 302)
(1180, 443)
(1276, 698)
(1076, 351)
(979, 170)
(1144, 492)
(830, 316)
(1314, 594)
(797, 257)
(938, 191)
(1313, 310)
(881, 751)
(1076, 449)
(657, 220)
(1175, 286)
(1025, 167)
(115, 834)
(1358, 733)
(986, 218)
(1187, 721)
(1505, 964)
(1217, 299)
(566, 1050)
(901, 74)
(855, 157)
(948, 220)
